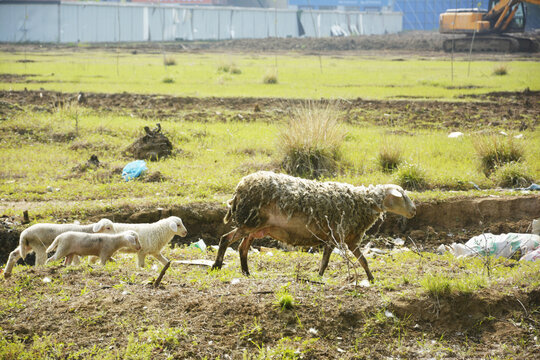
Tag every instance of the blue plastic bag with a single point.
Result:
(134, 169)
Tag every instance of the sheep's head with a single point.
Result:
(133, 238)
(177, 226)
(396, 201)
(104, 226)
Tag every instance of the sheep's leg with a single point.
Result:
(12, 260)
(325, 258)
(243, 251)
(162, 259)
(140, 259)
(69, 259)
(41, 255)
(224, 242)
(363, 262)
(75, 260)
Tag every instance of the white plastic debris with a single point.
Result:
(313, 331)
(364, 283)
(399, 242)
(154, 267)
(235, 281)
(201, 245)
(503, 133)
(503, 245)
(388, 314)
(518, 136)
(46, 279)
(455, 134)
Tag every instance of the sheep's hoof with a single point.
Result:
(246, 273)
(216, 266)
(7, 275)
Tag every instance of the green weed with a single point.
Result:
(495, 150)
(513, 174)
(411, 177)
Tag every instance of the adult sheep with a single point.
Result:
(39, 236)
(302, 212)
(153, 237)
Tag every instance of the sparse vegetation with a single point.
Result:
(390, 156)
(168, 80)
(494, 151)
(500, 70)
(513, 174)
(169, 61)
(311, 141)
(411, 177)
(271, 77)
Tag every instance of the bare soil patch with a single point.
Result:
(508, 110)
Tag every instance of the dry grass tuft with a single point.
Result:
(311, 141)
(496, 150)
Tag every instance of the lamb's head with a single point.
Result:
(176, 225)
(133, 239)
(104, 226)
(396, 201)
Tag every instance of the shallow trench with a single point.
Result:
(437, 222)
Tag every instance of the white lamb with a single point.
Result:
(72, 243)
(153, 237)
(39, 236)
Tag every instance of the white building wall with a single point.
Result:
(91, 22)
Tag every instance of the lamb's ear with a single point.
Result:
(173, 226)
(394, 192)
(97, 226)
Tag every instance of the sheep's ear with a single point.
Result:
(395, 193)
(173, 226)
(97, 226)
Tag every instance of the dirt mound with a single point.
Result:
(153, 145)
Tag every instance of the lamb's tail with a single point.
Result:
(53, 245)
(231, 207)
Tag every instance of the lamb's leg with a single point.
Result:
(224, 242)
(325, 258)
(41, 255)
(162, 259)
(12, 260)
(363, 262)
(243, 251)
(69, 259)
(140, 260)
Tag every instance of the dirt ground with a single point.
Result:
(228, 316)
(417, 43)
(514, 111)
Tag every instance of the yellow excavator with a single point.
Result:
(488, 30)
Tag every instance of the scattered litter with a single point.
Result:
(269, 253)
(364, 283)
(201, 245)
(455, 134)
(503, 245)
(46, 279)
(155, 267)
(145, 307)
(313, 331)
(125, 292)
(476, 187)
(200, 262)
(340, 350)
(532, 256)
(388, 314)
(416, 326)
(235, 281)
(518, 136)
(532, 187)
(399, 242)
(51, 189)
(503, 133)
(134, 169)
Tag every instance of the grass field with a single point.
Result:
(299, 76)
(41, 153)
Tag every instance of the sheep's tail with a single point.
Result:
(53, 245)
(231, 207)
